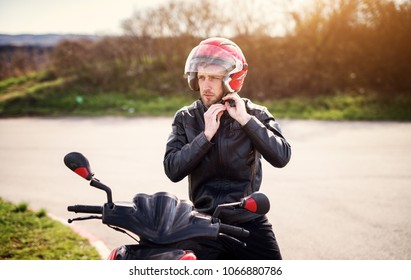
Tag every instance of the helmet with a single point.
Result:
(221, 52)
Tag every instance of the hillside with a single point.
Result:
(40, 40)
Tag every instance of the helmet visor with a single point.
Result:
(205, 55)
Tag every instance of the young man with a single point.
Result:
(218, 141)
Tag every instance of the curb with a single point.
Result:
(101, 248)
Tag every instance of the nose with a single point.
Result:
(207, 83)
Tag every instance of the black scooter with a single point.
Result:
(160, 220)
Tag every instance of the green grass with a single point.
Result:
(28, 235)
(20, 97)
(42, 94)
(369, 106)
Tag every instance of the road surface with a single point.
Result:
(346, 193)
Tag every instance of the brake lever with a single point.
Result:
(84, 218)
(233, 239)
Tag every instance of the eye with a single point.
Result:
(201, 77)
(216, 78)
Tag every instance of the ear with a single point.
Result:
(193, 81)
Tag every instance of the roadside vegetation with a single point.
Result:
(28, 235)
(42, 94)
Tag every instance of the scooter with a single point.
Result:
(160, 220)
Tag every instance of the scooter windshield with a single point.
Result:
(161, 218)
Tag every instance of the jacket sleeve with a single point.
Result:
(181, 156)
(265, 133)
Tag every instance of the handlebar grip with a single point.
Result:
(233, 230)
(85, 209)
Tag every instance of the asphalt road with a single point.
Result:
(346, 193)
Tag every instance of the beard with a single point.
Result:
(209, 98)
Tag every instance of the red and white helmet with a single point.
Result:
(222, 52)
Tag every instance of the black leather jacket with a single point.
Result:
(229, 167)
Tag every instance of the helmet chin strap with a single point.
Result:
(226, 85)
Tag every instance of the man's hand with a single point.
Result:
(212, 119)
(239, 113)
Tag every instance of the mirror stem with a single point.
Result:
(222, 206)
(97, 184)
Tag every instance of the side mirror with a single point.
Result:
(256, 202)
(79, 165)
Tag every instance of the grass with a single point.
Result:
(352, 107)
(42, 94)
(34, 97)
(28, 235)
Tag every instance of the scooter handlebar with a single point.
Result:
(85, 209)
(234, 231)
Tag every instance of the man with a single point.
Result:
(218, 141)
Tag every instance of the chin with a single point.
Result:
(207, 103)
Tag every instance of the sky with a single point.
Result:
(97, 17)
(101, 17)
